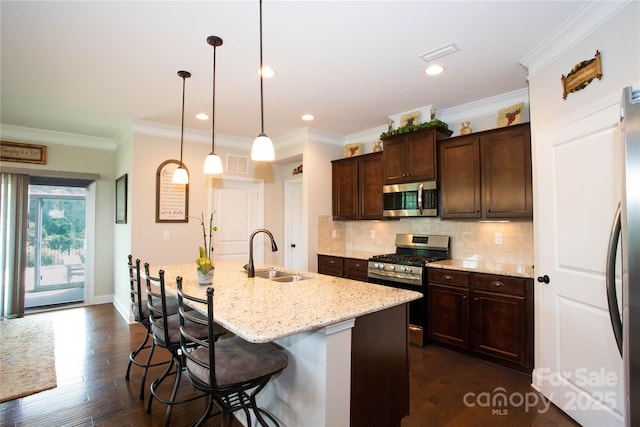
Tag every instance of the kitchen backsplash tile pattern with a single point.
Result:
(501, 242)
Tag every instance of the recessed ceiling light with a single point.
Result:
(307, 117)
(202, 116)
(434, 70)
(267, 72)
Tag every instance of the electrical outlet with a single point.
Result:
(372, 234)
(165, 235)
(498, 238)
(334, 234)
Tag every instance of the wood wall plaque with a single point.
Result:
(581, 75)
(23, 153)
(172, 200)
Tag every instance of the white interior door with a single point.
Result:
(293, 231)
(578, 366)
(239, 211)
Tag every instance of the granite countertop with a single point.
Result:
(365, 255)
(516, 270)
(263, 310)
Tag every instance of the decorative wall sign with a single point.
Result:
(23, 153)
(351, 150)
(172, 200)
(511, 115)
(581, 75)
(410, 119)
(121, 200)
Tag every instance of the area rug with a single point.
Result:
(27, 357)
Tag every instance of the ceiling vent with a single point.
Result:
(237, 164)
(439, 52)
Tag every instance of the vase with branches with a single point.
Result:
(205, 252)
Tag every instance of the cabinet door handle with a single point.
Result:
(497, 283)
(447, 277)
(476, 299)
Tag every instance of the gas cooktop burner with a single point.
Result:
(405, 259)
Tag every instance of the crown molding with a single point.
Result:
(162, 130)
(484, 107)
(369, 135)
(585, 21)
(41, 136)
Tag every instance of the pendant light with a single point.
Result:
(180, 175)
(213, 164)
(262, 149)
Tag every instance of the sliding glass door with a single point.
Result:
(56, 244)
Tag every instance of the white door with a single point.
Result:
(293, 231)
(238, 207)
(578, 366)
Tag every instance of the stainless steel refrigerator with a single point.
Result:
(625, 311)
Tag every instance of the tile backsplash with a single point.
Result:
(501, 242)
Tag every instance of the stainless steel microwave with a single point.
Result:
(412, 199)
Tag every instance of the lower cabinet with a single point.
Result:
(350, 268)
(489, 316)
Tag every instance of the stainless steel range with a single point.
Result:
(406, 268)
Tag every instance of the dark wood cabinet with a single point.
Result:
(355, 269)
(448, 307)
(349, 268)
(412, 157)
(489, 316)
(357, 187)
(487, 175)
(502, 319)
(331, 265)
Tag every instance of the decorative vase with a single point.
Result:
(205, 279)
(466, 128)
(377, 146)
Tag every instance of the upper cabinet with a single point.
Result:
(487, 175)
(357, 187)
(412, 157)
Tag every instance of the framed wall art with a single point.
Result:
(121, 200)
(172, 200)
(23, 153)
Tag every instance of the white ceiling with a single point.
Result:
(86, 67)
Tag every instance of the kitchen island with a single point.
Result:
(346, 341)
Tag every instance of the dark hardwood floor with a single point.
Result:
(92, 347)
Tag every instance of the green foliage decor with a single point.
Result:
(204, 260)
(413, 128)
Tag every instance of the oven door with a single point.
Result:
(417, 309)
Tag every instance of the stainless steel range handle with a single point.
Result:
(612, 298)
(420, 188)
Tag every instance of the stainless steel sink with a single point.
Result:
(271, 273)
(278, 275)
(293, 278)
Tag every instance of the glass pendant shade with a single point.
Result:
(212, 164)
(262, 149)
(180, 176)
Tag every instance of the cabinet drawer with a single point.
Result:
(502, 284)
(450, 277)
(355, 269)
(331, 265)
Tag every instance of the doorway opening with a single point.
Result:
(56, 243)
